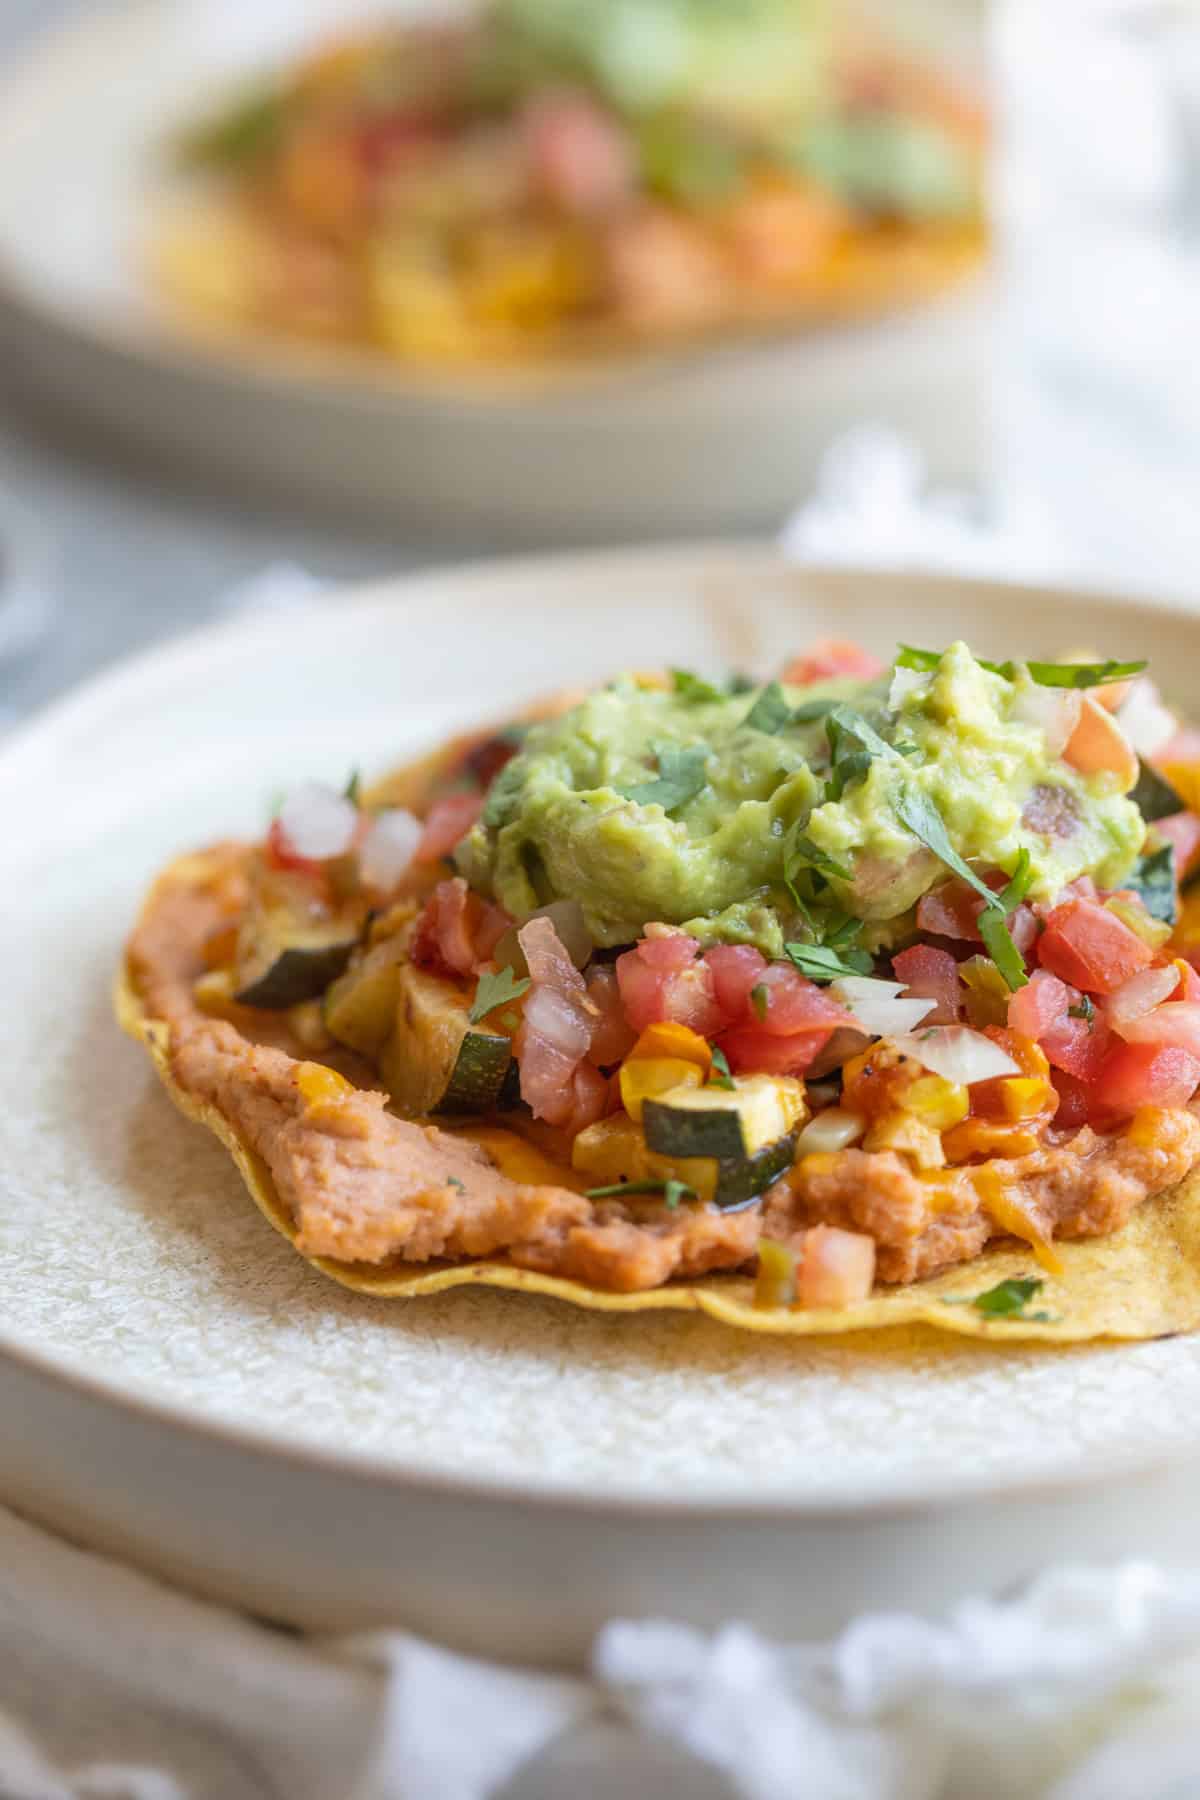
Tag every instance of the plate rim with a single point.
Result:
(358, 379)
(180, 656)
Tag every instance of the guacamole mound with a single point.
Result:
(646, 804)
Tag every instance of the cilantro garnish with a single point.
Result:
(740, 684)
(770, 712)
(822, 963)
(496, 990)
(353, 787)
(1154, 796)
(1008, 1299)
(799, 852)
(672, 1191)
(1085, 1009)
(1153, 880)
(759, 999)
(454, 1182)
(917, 812)
(723, 1077)
(693, 688)
(682, 774)
(813, 709)
(1060, 675)
(853, 745)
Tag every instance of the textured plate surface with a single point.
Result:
(129, 1251)
(647, 444)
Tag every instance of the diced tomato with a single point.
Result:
(580, 157)
(652, 992)
(838, 1268)
(753, 1051)
(736, 969)
(1074, 1100)
(457, 931)
(1078, 1046)
(485, 759)
(1183, 830)
(952, 911)
(930, 974)
(589, 1095)
(1040, 1006)
(448, 823)
(1175, 1022)
(1135, 1075)
(665, 949)
(281, 855)
(612, 1035)
(794, 1003)
(1090, 947)
(830, 657)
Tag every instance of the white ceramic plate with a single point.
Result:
(176, 1382)
(651, 444)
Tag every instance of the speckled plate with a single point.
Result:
(177, 1384)
(714, 437)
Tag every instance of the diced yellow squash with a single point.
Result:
(936, 1101)
(651, 1078)
(677, 1041)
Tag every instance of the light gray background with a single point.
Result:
(135, 554)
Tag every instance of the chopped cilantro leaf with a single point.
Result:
(813, 709)
(693, 688)
(799, 852)
(770, 712)
(496, 990)
(740, 684)
(682, 774)
(1008, 1299)
(1019, 884)
(723, 1077)
(1154, 796)
(1085, 1009)
(917, 811)
(759, 999)
(853, 745)
(672, 1191)
(1061, 675)
(837, 937)
(353, 787)
(454, 1182)
(820, 963)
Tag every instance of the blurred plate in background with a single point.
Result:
(657, 442)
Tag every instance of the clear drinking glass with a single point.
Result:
(1097, 198)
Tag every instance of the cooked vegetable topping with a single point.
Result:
(924, 891)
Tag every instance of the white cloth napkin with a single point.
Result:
(1085, 1688)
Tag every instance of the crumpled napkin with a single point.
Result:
(1086, 1687)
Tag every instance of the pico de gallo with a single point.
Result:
(838, 976)
(543, 174)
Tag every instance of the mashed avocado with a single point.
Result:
(645, 804)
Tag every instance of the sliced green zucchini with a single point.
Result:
(283, 958)
(360, 1006)
(728, 1123)
(435, 1060)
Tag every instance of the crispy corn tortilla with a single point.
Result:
(1140, 1282)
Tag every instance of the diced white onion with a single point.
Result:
(566, 916)
(830, 1130)
(904, 683)
(555, 1018)
(318, 822)
(877, 1005)
(1140, 995)
(389, 847)
(1054, 711)
(1144, 719)
(957, 1053)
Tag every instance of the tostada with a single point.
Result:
(865, 994)
(545, 177)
